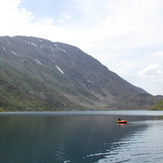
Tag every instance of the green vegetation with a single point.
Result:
(158, 106)
(1, 110)
(20, 92)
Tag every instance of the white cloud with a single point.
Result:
(151, 78)
(151, 70)
(13, 20)
(157, 54)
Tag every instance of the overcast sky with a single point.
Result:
(124, 35)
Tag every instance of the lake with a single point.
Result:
(81, 137)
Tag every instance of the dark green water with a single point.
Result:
(80, 138)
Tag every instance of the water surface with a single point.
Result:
(81, 137)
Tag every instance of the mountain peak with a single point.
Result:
(58, 76)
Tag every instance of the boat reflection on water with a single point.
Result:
(122, 124)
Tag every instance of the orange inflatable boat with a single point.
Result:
(122, 121)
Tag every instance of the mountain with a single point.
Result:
(158, 106)
(37, 74)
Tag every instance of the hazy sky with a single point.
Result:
(124, 35)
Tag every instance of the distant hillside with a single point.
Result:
(158, 106)
(37, 74)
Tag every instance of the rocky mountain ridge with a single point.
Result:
(37, 74)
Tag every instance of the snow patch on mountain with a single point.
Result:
(38, 61)
(14, 53)
(60, 48)
(28, 42)
(52, 49)
(59, 69)
(4, 49)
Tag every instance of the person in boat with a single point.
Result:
(119, 119)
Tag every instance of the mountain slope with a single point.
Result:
(158, 106)
(53, 76)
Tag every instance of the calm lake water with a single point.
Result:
(81, 137)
